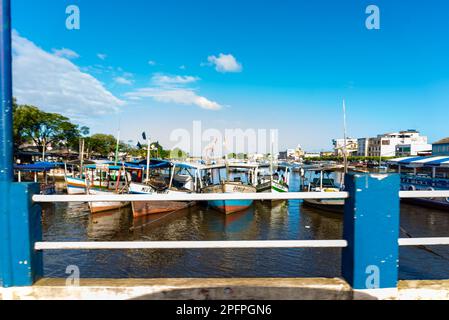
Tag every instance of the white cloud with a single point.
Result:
(56, 84)
(225, 63)
(123, 80)
(174, 89)
(152, 63)
(182, 67)
(66, 53)
(102, 56)
(185, 96)
(161, 79)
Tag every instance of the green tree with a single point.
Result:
(176, 154)
(102, 144)
(44, 129)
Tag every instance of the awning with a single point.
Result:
(442, 161)
(38, 166)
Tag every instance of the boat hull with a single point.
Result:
(230, 206)
(75, 185)
(334, 206)
(426, 184)
(100, 206)
(141, 209)
(145, 208)
(272, 187)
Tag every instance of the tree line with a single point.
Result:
(44, 130)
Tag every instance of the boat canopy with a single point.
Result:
(200, 166)
(442, 161)
(39, 166)
(112, 166)
(154, 164)
(135, 165)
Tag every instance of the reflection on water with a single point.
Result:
(263, 221)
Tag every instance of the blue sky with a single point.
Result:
(285, 64)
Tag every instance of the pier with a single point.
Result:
(369, 246)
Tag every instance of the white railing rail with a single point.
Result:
(423, 194)
(191, 197)
(221, 196)
(263, 244)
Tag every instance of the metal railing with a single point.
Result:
(371, 224)
(222, 244)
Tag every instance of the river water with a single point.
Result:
(286, 221)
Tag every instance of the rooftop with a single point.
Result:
(443, 141)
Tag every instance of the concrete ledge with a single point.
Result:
(424, 290)
(221, 289)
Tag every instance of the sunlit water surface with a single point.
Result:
(285, 221)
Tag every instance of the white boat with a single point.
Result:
(327, 184)
(106, 179)
(99, 206)
(324, 184)
(99, 177)
(75, 185)
(274, 182)
(177, 183)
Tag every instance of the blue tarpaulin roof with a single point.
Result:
(39, 166)
(138, 165)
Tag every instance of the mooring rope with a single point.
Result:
(425, 248)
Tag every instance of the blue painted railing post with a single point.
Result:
(20, 225)
(6, 157)
(371, 227)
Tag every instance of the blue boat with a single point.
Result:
(235, 186)
(424, 174)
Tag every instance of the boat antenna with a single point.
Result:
(118, 142)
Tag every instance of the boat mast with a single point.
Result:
(148, 159)
(82, 153)
(117, 147)
(345, 154)
(271, 156)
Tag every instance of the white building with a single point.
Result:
(351, 147)
(407, 143)
(362, 148)
(407, 150)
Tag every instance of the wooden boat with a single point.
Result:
(324, 184)
(275, 182)
(230, 206)
(99, 177)
(119, 185)
(328, 184)
(75, 185)
(174, 180)
(145, 208)
(99, 206)
(246, 170)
